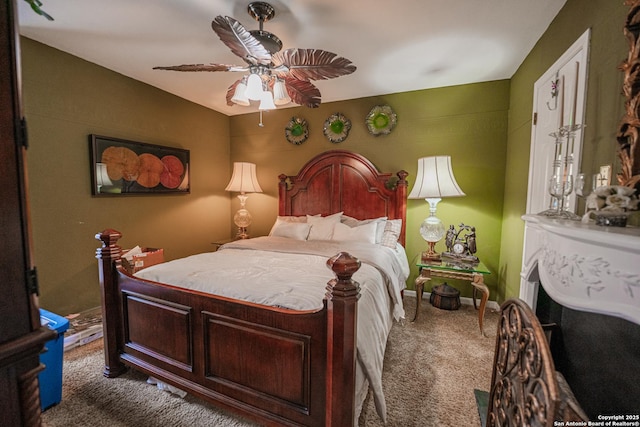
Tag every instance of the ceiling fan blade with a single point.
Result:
(240, 41)
(198, 67)
(303, 92)
(312, 64)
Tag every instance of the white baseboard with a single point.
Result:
(493, 305)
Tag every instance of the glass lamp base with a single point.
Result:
(242, 219)
(242, 233)
(432, 231)
(430, 255)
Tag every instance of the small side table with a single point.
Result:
(474, 273)
(221, 242)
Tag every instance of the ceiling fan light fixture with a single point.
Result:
(266, 101)
(254, 87)
(240, 95)
(280, 95)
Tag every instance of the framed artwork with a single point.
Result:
(120, 167)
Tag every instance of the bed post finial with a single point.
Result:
(109, 237)
(282, 192)
(343, 265)
(342, 309)
(107, 256)
(402, 177)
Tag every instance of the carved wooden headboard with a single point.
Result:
(343, 181)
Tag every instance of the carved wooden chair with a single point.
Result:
(526, 390)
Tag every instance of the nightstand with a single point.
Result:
(221, 242)
(474, 273)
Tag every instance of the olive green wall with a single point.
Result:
(65, 100)
(603, 112)
(467, 122)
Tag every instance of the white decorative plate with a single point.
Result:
(381, 120)
(336, 128)
(297, 130)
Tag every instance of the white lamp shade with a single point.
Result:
(254, 87)
(435, 179)
(244, 179)
(240, 96)
(266, 101)
(280, 95)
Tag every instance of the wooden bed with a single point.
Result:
(272, 365)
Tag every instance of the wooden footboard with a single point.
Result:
(275, 366)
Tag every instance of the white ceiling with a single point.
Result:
(397, 46)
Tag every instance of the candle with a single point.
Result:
(572, 119)
(562, 102)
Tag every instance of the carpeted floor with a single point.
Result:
(431, 369)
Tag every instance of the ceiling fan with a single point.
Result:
(275, 76)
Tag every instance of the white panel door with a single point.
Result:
(555, 104)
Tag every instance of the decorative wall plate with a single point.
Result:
(381, 120)
(297, 130)
(336, 128)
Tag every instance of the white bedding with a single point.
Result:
(293, 274)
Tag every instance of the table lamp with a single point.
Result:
(434, 181)
(243, 180)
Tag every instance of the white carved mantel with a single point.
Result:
(582, 266)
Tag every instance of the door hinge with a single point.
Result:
(32, 281)
(23, 132)
(535, 118)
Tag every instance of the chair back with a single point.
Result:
(526, 390)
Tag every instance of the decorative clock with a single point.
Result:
(461, 243)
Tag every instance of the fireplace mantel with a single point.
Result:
(582, 266)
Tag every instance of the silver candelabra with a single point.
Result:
(561, 183)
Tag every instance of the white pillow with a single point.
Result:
(352, 222)
(281, 219)
(362, 233)
(291, 230)
(349, 220)
(391, 235)
(302, 218)
(322, 226)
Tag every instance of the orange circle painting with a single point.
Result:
(121, 163)
(151, 167)
(173, 170)
(123, 167)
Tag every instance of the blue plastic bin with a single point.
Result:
(51, 378)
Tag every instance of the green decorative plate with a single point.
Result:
(336, 128)
(297, 130)
(381, 120)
